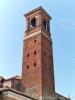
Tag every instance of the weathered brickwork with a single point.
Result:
(47, 66)
(32, 75)
(38, 70)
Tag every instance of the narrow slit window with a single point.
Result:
(45, 65)
(28, 55)
(27, 66)
(35, 64)
(34, 40)
(34, 52)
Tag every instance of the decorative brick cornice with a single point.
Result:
(37, 33)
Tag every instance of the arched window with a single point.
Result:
(45, 24)
(33, 23)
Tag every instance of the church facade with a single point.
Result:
(37, 81)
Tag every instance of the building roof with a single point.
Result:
(4, 89)
(61, 96)
(17, 77)
(35, 10)
(2, 78)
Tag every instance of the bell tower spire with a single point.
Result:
(38, 69)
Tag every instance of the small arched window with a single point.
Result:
(33, 23)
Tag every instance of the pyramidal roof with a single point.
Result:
(35, 10)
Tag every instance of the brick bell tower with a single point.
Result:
(38, 69)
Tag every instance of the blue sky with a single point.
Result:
(12, 27)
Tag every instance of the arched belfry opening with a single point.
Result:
(33, 23)
(45, 24)
(37, 20)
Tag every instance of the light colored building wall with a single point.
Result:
(7, 83)
(9, 95)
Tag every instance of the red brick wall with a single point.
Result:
(47, 66)
(32, 77)
(39, 79)
(40, 76)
